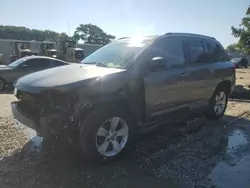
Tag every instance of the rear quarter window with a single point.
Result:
(219, 54)
(55, 63)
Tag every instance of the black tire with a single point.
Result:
(2, 84)
(246, 66)
(210, 113)
(89, 130)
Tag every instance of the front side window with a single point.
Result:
(171, 49)
(118, 54)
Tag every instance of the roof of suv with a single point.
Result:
(144, 37)
(189, 34)
(152, 37)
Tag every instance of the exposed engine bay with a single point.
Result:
(53, 113)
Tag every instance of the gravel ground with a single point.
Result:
(173, 156)
(5, 99)
(11, 138)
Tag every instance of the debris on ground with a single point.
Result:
(11, 138)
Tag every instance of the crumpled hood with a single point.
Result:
(62, 77)
(4, 67)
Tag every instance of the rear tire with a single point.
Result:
(106, 134)
(217, 104)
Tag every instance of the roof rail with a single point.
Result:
(122, 38)
(192, 34)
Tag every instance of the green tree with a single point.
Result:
(62, 36)
(243, 34)
(93, 34)
(232, 48)
(23, 33)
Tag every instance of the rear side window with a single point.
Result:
(37, 63)
(172, 50)
(198, 52)
(219, 54)
(55, 63)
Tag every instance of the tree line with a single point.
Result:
(89, 33)
(243, 34)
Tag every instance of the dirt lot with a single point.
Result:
(193, 153)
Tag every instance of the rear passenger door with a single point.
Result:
(199, 60)
(221, 67)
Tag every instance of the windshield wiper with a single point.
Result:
(96, 63)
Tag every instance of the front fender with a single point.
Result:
(86, 105)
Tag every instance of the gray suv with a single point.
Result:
(127, 86)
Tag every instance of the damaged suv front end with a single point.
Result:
(53, 110)
(48, 113)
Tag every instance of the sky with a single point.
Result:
(129, 17)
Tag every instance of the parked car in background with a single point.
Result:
(26, 65)
(127, 86)
(240, 62)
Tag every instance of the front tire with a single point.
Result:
(106, 134)
(217, 104)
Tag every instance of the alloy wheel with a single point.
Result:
(112, 136)
(220, 102)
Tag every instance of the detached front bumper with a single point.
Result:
(22, 117)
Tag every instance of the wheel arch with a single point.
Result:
(225, 84)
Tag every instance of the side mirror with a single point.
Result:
(157, 63)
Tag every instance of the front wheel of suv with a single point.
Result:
(105, 134)
(217, 104)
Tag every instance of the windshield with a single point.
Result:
(24, 53)
(79, 55)
(117, 54)
(16, 63)
(53, 53)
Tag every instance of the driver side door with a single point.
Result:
(165, 89)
